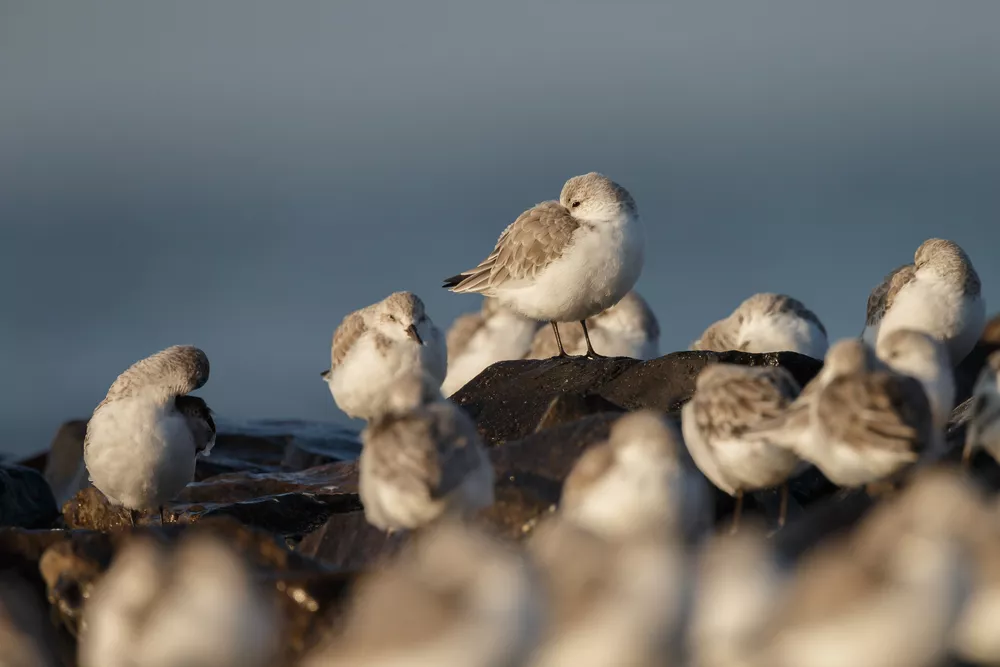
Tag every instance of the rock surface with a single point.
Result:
(509, 399)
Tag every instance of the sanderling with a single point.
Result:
(143, 438)
(610, 603)
(376, 346)
(636, 483)
(739, 587)
(421, 460)
(564, 261)
(916, 354)
(454, 597)
(626, 329)
(477, 340)
(196, 606)
(857, 421)
(767, 322)
(939, 294)
(728, 401)
(880, 599)
(983, 429)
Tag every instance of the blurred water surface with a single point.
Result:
(239, 175)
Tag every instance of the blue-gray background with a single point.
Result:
(239, 175)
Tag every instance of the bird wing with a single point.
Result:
(537, 238)
(350, 329)
(881, 297)
(880, 411)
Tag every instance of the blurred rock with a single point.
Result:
(347, 541)
(26, 500)
(508, 400)
(328, 479)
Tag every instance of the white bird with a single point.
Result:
(729, 400)
(626, 329)
(857, 421)
(916, 354)
(195, 607)
(144, 437)
(767, 322)
(611, 604)
(421, 460)
(983, 430)
(635, 483)
(939, 294)
(477, 340)
(377, 346)
(564, 261)
(454, 598)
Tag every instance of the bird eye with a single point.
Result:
(575, 204)
(392, 318)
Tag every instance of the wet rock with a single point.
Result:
(25, 498)
(64, 468)
(21, 549)
(509, 399)
(275, 444)
(287, 514)
(329, 479)
(348, 541)
(566, 408)
(551, 453)
(73, 564)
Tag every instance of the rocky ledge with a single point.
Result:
(285, 492)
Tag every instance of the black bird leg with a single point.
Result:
(591, 354)
(555, 330)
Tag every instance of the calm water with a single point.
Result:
(241, 175)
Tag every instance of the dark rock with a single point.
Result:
(522, 500)
(552, 452)
(566, 408)
(287, 514)
(283, 444)
(25, 498)
(72, 565)
(968, 371)
(330, 479)
(509, 399)
(348, 541)
(291, 515)
(21, 549)
(64, 468)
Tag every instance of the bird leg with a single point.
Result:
(555, 330)
(737, 511)
(783, 508)
(133, 517)
(162, 520)
(590, 348)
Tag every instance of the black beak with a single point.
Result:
(411, 331)
(325, 375)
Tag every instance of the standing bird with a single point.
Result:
(143, 438)
(477, 340)
(376, 347)
(984, 425)
(728, 401)
(564, 261)
(767, 322)
(857, 421)
(421, 460)
(916, 354)
(626, 329)
(635, 483)
(939, 294)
